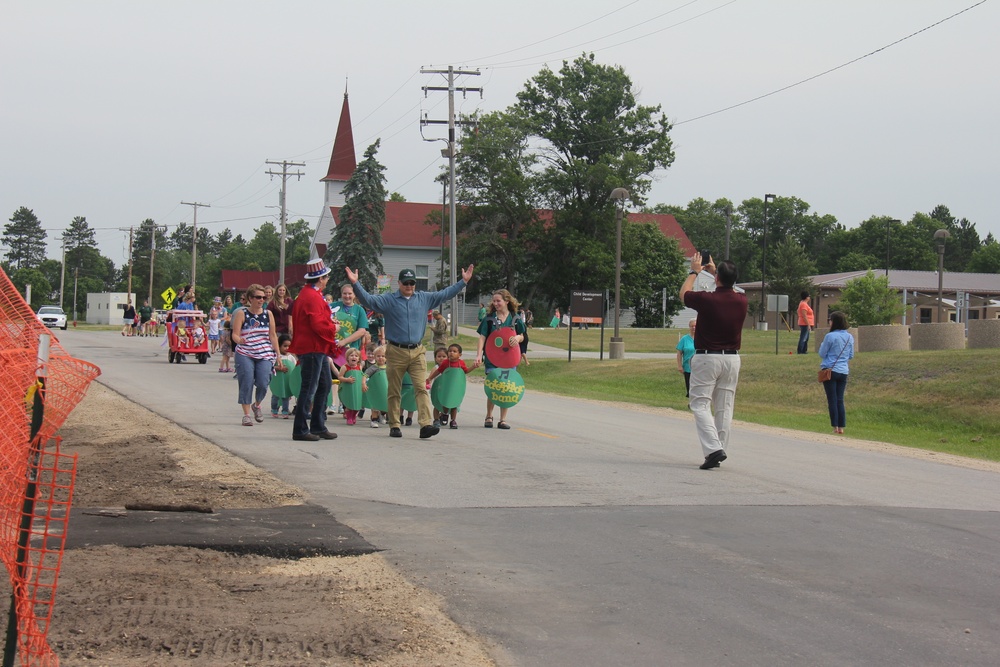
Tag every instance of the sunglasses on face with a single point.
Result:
(257, 296)
(410, 283)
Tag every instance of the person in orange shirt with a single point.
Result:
(806, 322)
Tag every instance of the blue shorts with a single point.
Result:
(213, 336)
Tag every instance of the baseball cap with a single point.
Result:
(407, 275)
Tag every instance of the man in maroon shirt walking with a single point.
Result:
(715, 367)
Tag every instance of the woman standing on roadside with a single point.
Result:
(835, 351)
(500, 314)
(280, 308)
(257, 346)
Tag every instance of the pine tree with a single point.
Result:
(25, 240)
(357, 240)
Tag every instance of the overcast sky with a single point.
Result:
(120, 110)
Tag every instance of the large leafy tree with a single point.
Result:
(868, 300)
(499, 199)
(788, 219)
(83, 259)
(41, 288)
(142, 253)
(589, 135)
(25, 240)
(357, 240)
(264, 248)
(298, 240)
(655, 264)
(986, 259)
(790, 273)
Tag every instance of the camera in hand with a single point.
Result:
(706, 257)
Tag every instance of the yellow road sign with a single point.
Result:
(168, 295)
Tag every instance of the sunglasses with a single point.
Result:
(257, 296)
(410, 282)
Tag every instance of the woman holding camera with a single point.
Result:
(835, 351)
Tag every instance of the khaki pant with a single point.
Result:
(713, 395)
(398, 362)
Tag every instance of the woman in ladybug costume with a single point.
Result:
(501, 313)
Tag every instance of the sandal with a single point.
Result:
(503, 425)
(488, 423)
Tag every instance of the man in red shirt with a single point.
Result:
(715, 367)
(315, 340)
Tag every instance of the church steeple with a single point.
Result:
(342, 160)
(342, 166)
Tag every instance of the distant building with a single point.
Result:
(108, 307)
(977, 293)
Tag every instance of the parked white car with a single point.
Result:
(52, 317)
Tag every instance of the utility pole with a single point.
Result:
(194, 240)
(62, 278)
(131, 238)
(450, 154)
(76, 281)
(152, 257)
(285, 164)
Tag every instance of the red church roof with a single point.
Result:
(342, 159)
(405, 226)
(240, 280)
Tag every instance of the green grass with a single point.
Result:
(656, 340)
(939, 401)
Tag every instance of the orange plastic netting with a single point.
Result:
(36, 480)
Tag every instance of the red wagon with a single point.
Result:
(179, 349)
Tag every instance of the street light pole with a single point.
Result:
(939, 237)
(763, 261)
(618, 195)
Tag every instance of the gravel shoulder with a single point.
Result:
(171, 605)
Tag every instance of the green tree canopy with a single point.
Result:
(357, 240)
(41, 289)
(655, 263)
(499, 202)
(571, 138)
(986, 259)
(869, 300)
(790, 273)
(25, 240)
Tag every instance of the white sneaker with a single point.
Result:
(374, 424)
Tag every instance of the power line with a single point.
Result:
(832, 69)
(511, 63)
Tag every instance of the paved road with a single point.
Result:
(587, 535)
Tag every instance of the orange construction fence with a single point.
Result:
(36, 480)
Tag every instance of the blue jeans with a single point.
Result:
(834, 388)
(278, 402)
(803, 339)
(250, 374)
(316, 385)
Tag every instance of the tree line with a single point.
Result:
(87, 270)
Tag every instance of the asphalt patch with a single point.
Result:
(291, 532)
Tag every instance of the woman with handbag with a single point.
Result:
(835, 351)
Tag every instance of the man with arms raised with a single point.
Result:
(715, 367)
(405, 313)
